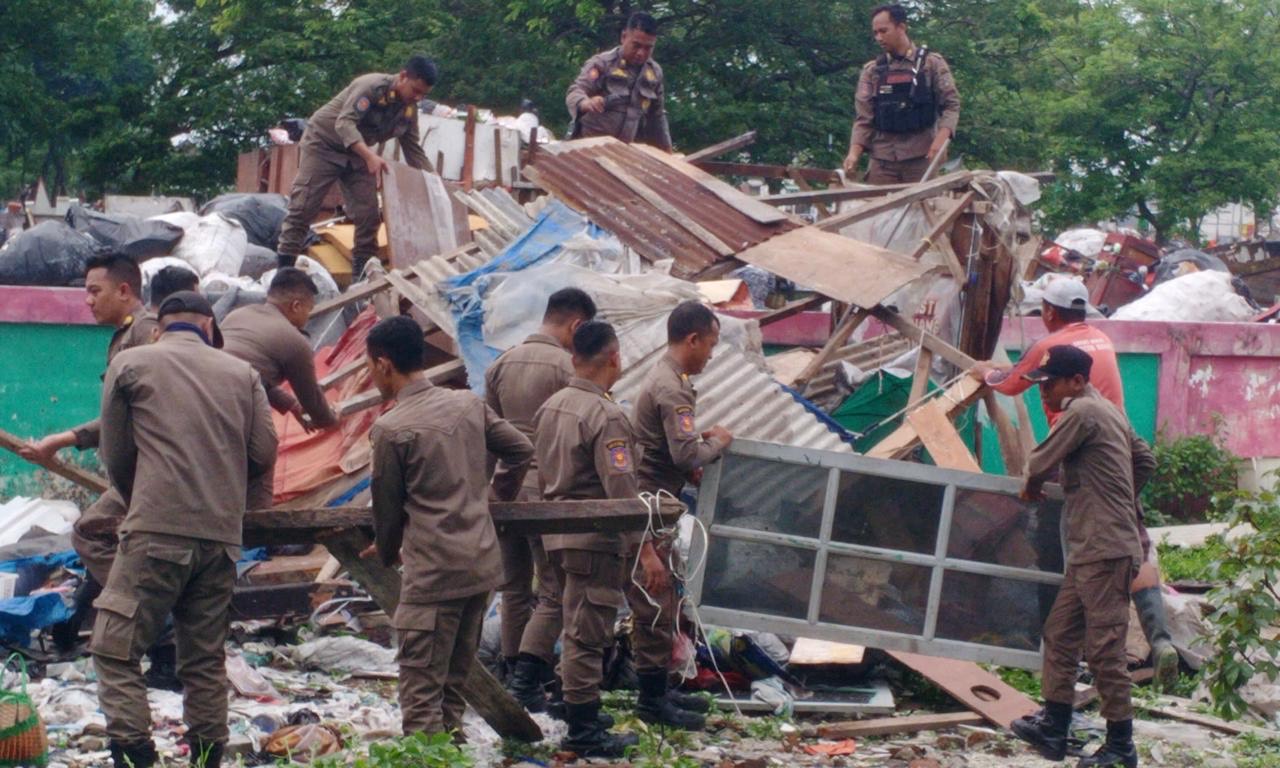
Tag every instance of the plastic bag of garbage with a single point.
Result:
(315, 270)
(50, 253)
(130, 235)
(257, 261)
(261, 214)
(1198, 297)
(212, 243)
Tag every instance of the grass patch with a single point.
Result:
(1191, 563)
(1022, 680)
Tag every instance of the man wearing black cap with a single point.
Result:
(1104, 465)
(184, 428)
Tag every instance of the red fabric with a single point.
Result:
(305, 462)
(1104, 376)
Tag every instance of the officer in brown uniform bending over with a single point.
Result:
(906, 106)
(1104, 466)
(338, 146)
(515, 387)
(674, 452)
(184, 427)
(270, 338)
(431, 509)
(586, 450)
(620, 92)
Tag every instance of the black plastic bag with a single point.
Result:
(138, 238)
(50, 253)
(261, 214)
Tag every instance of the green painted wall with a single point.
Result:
(1140, 375)
(49, 381)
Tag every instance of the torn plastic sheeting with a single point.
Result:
(20, 616)
(350, 654)
(21, 515)
(213, 243)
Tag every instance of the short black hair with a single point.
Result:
(689, 317)
(120, 268)
(170, 280)
(569, 303)
(897, 14)
(421, 68)
(398, 339)
(592, 339)
(1071, 314)
(643, 22)
(291, 282)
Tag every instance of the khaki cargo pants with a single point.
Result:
(653, 626)
(897, 171)
(438, 643)
(524, 563)
(1091, 614)
(319, 167)
(97, 550)
(592, 595)
(155, 574)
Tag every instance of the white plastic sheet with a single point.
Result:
(212, 243)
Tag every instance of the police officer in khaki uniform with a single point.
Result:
(620, 93)
(907, 106)
(338, 146)
(674, 452)
(270, 338)
(431, 509)
(586, 450)
(184, 428)
(1104, 466)
(516, 386)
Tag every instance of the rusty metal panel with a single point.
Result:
(572, 174)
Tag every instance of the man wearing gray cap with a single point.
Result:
(185, 427)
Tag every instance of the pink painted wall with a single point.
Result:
(28, 304)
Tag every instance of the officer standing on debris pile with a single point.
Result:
(674, 453)
(620, 92)
(1104, 465)
(586, 450)
(338, 146)
(184, 428)
(907, 106)
(270, 338)
(515, 387)
(1064, 313)
(431, 510)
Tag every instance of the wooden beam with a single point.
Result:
(375, 284)
(852, 319)
(485, 694)
(81, 477)
(891, 726)
(670, 211)
(942, 226)
(823, 211)
(370, 398)
(920, 336)
(791, 308)
(832, 194)
(767, 171)
(469, 149)
(940, 438)
(342, 374)
(912, 194)
(902, 441)
(721, 148)
(920, 379)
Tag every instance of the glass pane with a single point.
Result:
(761, 578)
(993, 611)
(888, 512)
(766, 495)
(875, 594)
(1003, 529)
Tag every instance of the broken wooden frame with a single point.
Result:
(887, 554)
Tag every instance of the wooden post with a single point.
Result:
(485, 694)
(497, 155)
(852, 319)
(469, 150)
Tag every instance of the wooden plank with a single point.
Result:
(920, 378)
(791, 308)
(1015, 461)
(368, 399)
(1207, 721)
(744, 204)
(838, 267)
(823, 211)
(848, 324)
(890, 726)
(920, 336)
(485, 694)
(375, 284)
(82, 477)
(469, 149)
(345, 372)
(670, 211)
(940, 438)
(904, 439)
(721, 148)
(808, 652)
(832, 194)
(768, 171)
(972, 686)
(941, 227)
(913, 194)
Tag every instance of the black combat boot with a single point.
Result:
(1046, 732)
(1164, 657)
(141, 754)
(555, 705)
(654, 707)
(206, 754)
(688, 701)
(589, 738)
(1118, 749)
(525, 683)
(162, 675)
(66, 634)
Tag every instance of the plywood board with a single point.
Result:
(810, 652)
(890, 726)
(940, 438)
(838, 267)
(972, 686)
(418, 213)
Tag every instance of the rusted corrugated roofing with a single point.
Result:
(570, 171)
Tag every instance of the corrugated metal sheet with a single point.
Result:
(736, 392)
(572, 174)
(507, 218)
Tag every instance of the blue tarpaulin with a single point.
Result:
(19, 616)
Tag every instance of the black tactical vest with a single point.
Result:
(904, 101)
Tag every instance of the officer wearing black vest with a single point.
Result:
(906, 106)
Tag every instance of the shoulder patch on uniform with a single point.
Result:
(620, 72)
(684, 418)
(619, 455)
(648, 74)
(362, 104)
(408, 111)
(594, 74)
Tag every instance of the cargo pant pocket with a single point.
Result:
(114, 628)
(415, 626)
